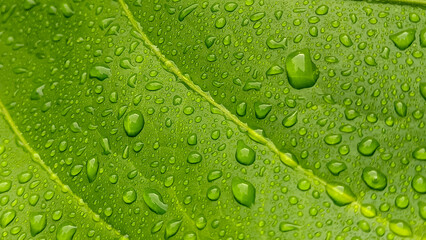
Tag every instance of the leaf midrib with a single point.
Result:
(53, 176)
(171, 67)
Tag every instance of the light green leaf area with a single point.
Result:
(212, 120)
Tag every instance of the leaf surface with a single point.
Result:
(213, 120)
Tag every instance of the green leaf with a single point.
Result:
(212, 120)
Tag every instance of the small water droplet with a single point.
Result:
(244, 154)
(336, 167)
(213, 193)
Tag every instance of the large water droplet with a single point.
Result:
(154, 201)
(244, 154)
(340, 193)
(420, 153)
(400, 228)
(194, 157)
(301, 71)
(133, 123)
(333, 139)
(100, 72)
(403, 39)
(368, 146)
(38, 222)
(243, 191)
(5, 186)
(92, 169)
(213, 193)
(7, 217)
(419, 183)
(66, 231)
(287, 227)
(374, 178)
(336, 167)
(290, 120)
(172, 228)
(261, 110)
(186, 11)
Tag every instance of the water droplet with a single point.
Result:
(244, 154)
(194, 157)
(241, 109)
(400, 228)
(304, 185)
(186, 11)
(157, 226)
(290, 120)
(422, 210)
(262, 109)
(287, 227)
(345, 40)
(213, 193)
(274, 70)
(129, 195)
(5, 186)
(276, 44)
(230, 6)
(220, 22)
(368, 210)
(7, 217)
(401, 201)
(243, 191)
(155, 202)
(322, 10)
(38, 222)
(336, 167)
(420, 153)
(368, 146)
(403, 39)
(192, 139)
(92, 169)
(66, 231)
(213, 175)
(340, 193)
(333, 139)
(154, 86)
(374, 178)
(301, 71)
(172, 228)
(133, 123)
(66, 9)
(100, 72)
(419, 183)
(400, 108)
(25, 177)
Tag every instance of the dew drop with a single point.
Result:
(403, 39)
(419, 154)
(133, 123)
(7, 217)
(400, 228)
(66, 231)
(374, 178)
(129, 195)
(301, 71)
(290, 120)
(92, 169)
(194, 157)
(368, 146)
(419, 183)
(340, 193)
(213, 193)
(100, 72)
(243, 191)
(155, 202)
(186, 11)
(244, 154)
(261, 110)
(38, 222)
(336, 167)
(172, 228)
